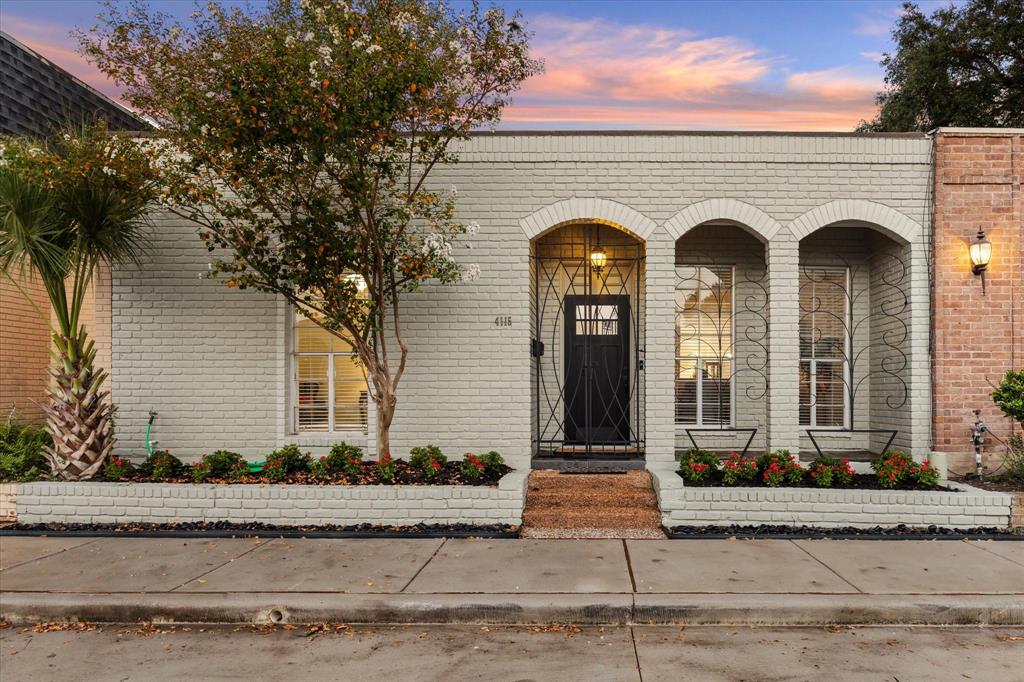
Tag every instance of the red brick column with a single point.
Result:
(976, 337)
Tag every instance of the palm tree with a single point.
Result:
(67, 206)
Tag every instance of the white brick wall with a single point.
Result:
(278, 505)
(212, 361)
(968, 507)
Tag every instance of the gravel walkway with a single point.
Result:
(561, 505)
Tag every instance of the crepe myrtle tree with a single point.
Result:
(300, 138)
(68, 204)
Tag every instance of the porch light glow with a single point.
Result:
(598, 259)
(981, 253)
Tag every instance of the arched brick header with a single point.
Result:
(579, 209)
(757, 221)
(887, 220)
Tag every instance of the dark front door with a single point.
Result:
(597, 370)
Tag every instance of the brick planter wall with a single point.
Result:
(8, 495)
(695, 506)
(272, 504)
(977, 336)
(1017, 520)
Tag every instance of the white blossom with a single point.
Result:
(473, 227)
(324, 52)
(372, 49)
(107, 170)
(215, 55)
(470, 273)
(204, 129)
(307, 36)
(289, 41)
(437, 246)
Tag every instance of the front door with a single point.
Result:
(596, 370)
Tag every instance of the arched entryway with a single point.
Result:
(588, 336)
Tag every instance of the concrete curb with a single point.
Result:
(521, 609)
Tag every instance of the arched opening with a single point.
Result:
(588, 336)
(721, 338)
(854, 324)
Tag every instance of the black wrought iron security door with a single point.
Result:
(597, 370)
(588, 342)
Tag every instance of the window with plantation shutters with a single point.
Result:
(824, 358)
(704, 345)
(329, 386)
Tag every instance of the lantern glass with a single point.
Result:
(598, 259)
(981, 254)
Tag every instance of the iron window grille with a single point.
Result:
(825, 318)
(705, 343)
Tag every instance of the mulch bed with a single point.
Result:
(859, 482)
(997, 486)
(900, 532)
(405, 474)
(225, 529)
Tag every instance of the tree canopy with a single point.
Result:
(960, 66)
(300, 137)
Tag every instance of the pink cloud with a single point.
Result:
(837, 84)
(597, 59)
(602, 74)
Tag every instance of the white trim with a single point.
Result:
(592, 209)
(871, 214)
(744, 215)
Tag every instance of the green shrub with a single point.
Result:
(1013, 461)
(161, 465)
(736, 470)
(493, 461)
(342, 459)
(1009, 395)
(896, 468)
(830, 472)
(698, 465)
(220, 464)
(429, 459)
(284, 462)
(117, 469)
(472, 467)
(386, 467)
(778, 467)
(21, 452)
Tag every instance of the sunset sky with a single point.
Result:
(634, 64)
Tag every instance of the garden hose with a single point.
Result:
(149, 428)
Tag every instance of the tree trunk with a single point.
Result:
(385, 413)
(79, 417)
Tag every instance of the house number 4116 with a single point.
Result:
(503, 321)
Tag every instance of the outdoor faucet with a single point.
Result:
(978, 439)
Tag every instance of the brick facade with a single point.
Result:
(214, 362)
(24, 340)
(977, 336)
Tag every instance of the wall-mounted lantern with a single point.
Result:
(598, 259)
(981, 254)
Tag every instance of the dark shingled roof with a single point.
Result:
(36, 95)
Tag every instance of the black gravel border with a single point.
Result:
(783, 532)
(223, 529)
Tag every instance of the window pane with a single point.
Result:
(805, 394)
(310, 337)
(823, 313)
(350, 395)
(829, 402)
(716, 406)
(311, 393)
(686, 391)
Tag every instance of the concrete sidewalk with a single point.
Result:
(763, 582)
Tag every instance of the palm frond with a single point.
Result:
(31, 234)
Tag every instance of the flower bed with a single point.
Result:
(957, 506)
(779, 469)
(343, 465)
(282, 504)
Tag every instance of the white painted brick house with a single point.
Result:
(807, 254)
